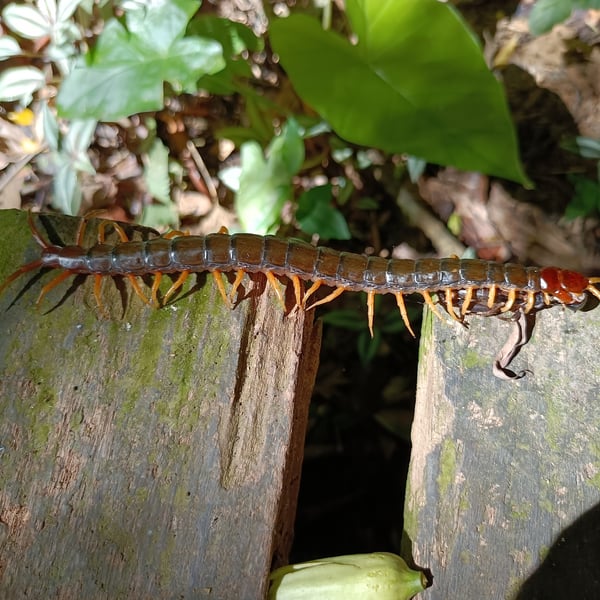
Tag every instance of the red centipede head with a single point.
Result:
(567, 286)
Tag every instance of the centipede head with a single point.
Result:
(568, 287)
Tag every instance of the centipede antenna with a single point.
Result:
(275, 285)
(221, 287)
(371, 309)
(512, 296)
(402, 307)
(177, 284)
(239, 276)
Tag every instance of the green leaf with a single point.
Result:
(156, 172)
(547, 13)
(235, 39)
(416, 82)
(266, 182)
(127, 69)
(316, 214)
(586, 200)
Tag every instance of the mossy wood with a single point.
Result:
(503, 496)
(145, 453)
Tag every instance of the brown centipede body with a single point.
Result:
(462, 286)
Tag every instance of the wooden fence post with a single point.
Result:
(503, 497)
(147, 453)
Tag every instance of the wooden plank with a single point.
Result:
(150, 453)
(504, 481)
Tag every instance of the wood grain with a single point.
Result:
(147, 453)
(504, 484)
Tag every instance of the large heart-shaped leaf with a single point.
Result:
(415, 82)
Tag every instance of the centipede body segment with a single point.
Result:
(463, 286)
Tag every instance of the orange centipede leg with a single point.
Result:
(371, 309)
(530, 302)
(297, 289)
(512, 296)
(464, 309)
(591, 287)
(236, 284)
(154, 289)
(450, 306)
(402, 307)
(492, 296)
(36, 264)
(337, 292)
(53, 283)
(310, 291)
(176, 285)
(275, 285)
(430, 304)
(221, 287)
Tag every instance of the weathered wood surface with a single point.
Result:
(503, 497)
(150, 454)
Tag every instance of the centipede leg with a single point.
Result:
(337, 292)
(464, 309)
(275, 285)
(177, 284)
(450, 306)
(221, 287)
(530, 302)
(371, 310)
(492, 296)
(512, 296)
(53, 283)
(154, 289)
(591, 287)
(311, 290)
(402, 307)
(427, 297)
(98, 295)
(297, 289)
(239, 276)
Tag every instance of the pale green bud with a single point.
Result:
(377, 576)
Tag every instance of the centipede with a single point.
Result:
(461, 287)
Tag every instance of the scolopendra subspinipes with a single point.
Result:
(463, 286)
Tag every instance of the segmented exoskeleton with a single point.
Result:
(462, 286)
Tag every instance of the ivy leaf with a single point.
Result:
(128, 67)
(316, 214)
(415, 82)
(265, 182)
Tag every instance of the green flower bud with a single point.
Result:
(377, 576)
